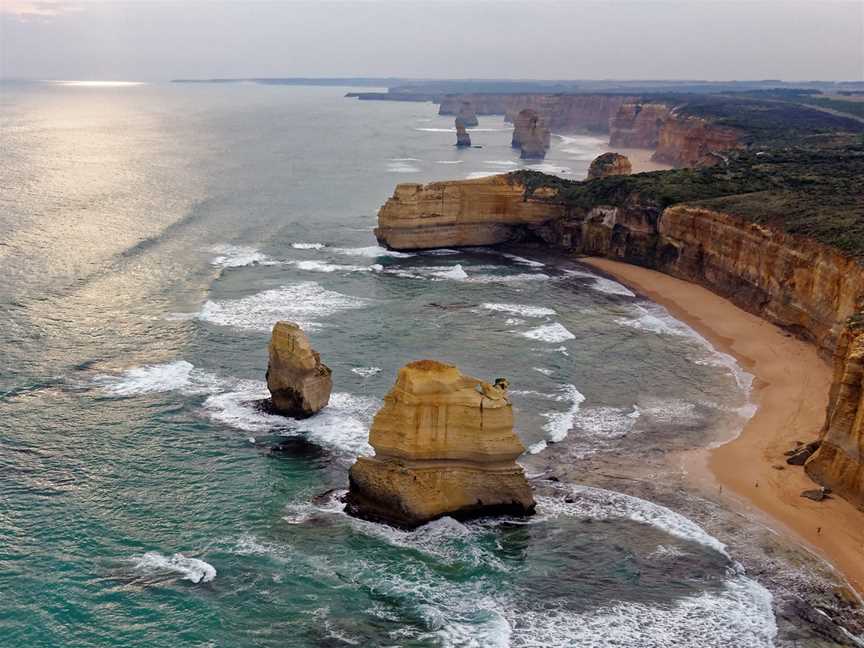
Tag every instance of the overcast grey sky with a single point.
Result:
(633, 39)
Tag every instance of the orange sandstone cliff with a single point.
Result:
(803, 286)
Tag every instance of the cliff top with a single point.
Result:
(813, 191)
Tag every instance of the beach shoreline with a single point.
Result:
(790, 392)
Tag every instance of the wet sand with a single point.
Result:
(791, 392)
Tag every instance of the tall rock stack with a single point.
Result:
(530, 135)
(467, 114)
(444, 445)
(609, 164)
(463, 139)
(298, 381)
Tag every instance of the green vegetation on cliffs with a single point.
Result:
(812, 191)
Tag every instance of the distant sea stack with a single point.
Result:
(463, 139)
(298, 381)
(444, 445)
(609, 164)
(530, 135)
(467, 114)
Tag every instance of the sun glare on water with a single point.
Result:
(99, 84)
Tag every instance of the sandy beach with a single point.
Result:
(641, 160)
(791, 392)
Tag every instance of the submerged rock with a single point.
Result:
(444, 445)
(463, 139)
(298, 381)
(609, 164)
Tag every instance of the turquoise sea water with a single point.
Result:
(152, 234)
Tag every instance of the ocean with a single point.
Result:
(151, 236)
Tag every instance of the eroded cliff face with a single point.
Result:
(485, 211)
(685, 141)
(637, 125)
(560, 112)
(839, 461)
(805, 287)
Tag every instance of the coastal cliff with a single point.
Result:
(482, 211)
(690, 141)
(807, 287)
(560, 112)
(678, 139)
(839, 461)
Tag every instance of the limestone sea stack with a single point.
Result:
(463, 139)
(530, 135)
(444, 445)
(609, 164)
(467, 114)
(298, 381)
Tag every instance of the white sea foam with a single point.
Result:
(366, 371)
(343, 425)
(601, 504)
(508, 278)
(545, 372)
(740, 615)
(303, 303)
(372, 251)
(559, 424)
(439, 252)
(402, 167)
(153, 563)
(323, 266)
(520, 309)
(602, 284)
(655, 319)
(448, 161)
(308, 246)
(237, 408)
(554, 332)
(405, 159)
(237, 256)
(456, 273)
(507, 163)
(473, 129)
(523, 260)
(149, 379)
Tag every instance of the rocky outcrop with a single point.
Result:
(678, 139)
(463, 139)
(561, 112)
(530, 135)
(686, 141)
(444, 445)
(839, 461)
(609, 164)
(805, 287)
(637, 125)
(483, 211)
(298, 381)
(467, 114)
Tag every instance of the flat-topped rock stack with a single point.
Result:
(530, 135)
(298, 381)
(444, 445)
(463, 139)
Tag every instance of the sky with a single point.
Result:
(153, 40)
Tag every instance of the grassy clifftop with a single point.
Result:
(813, 191)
